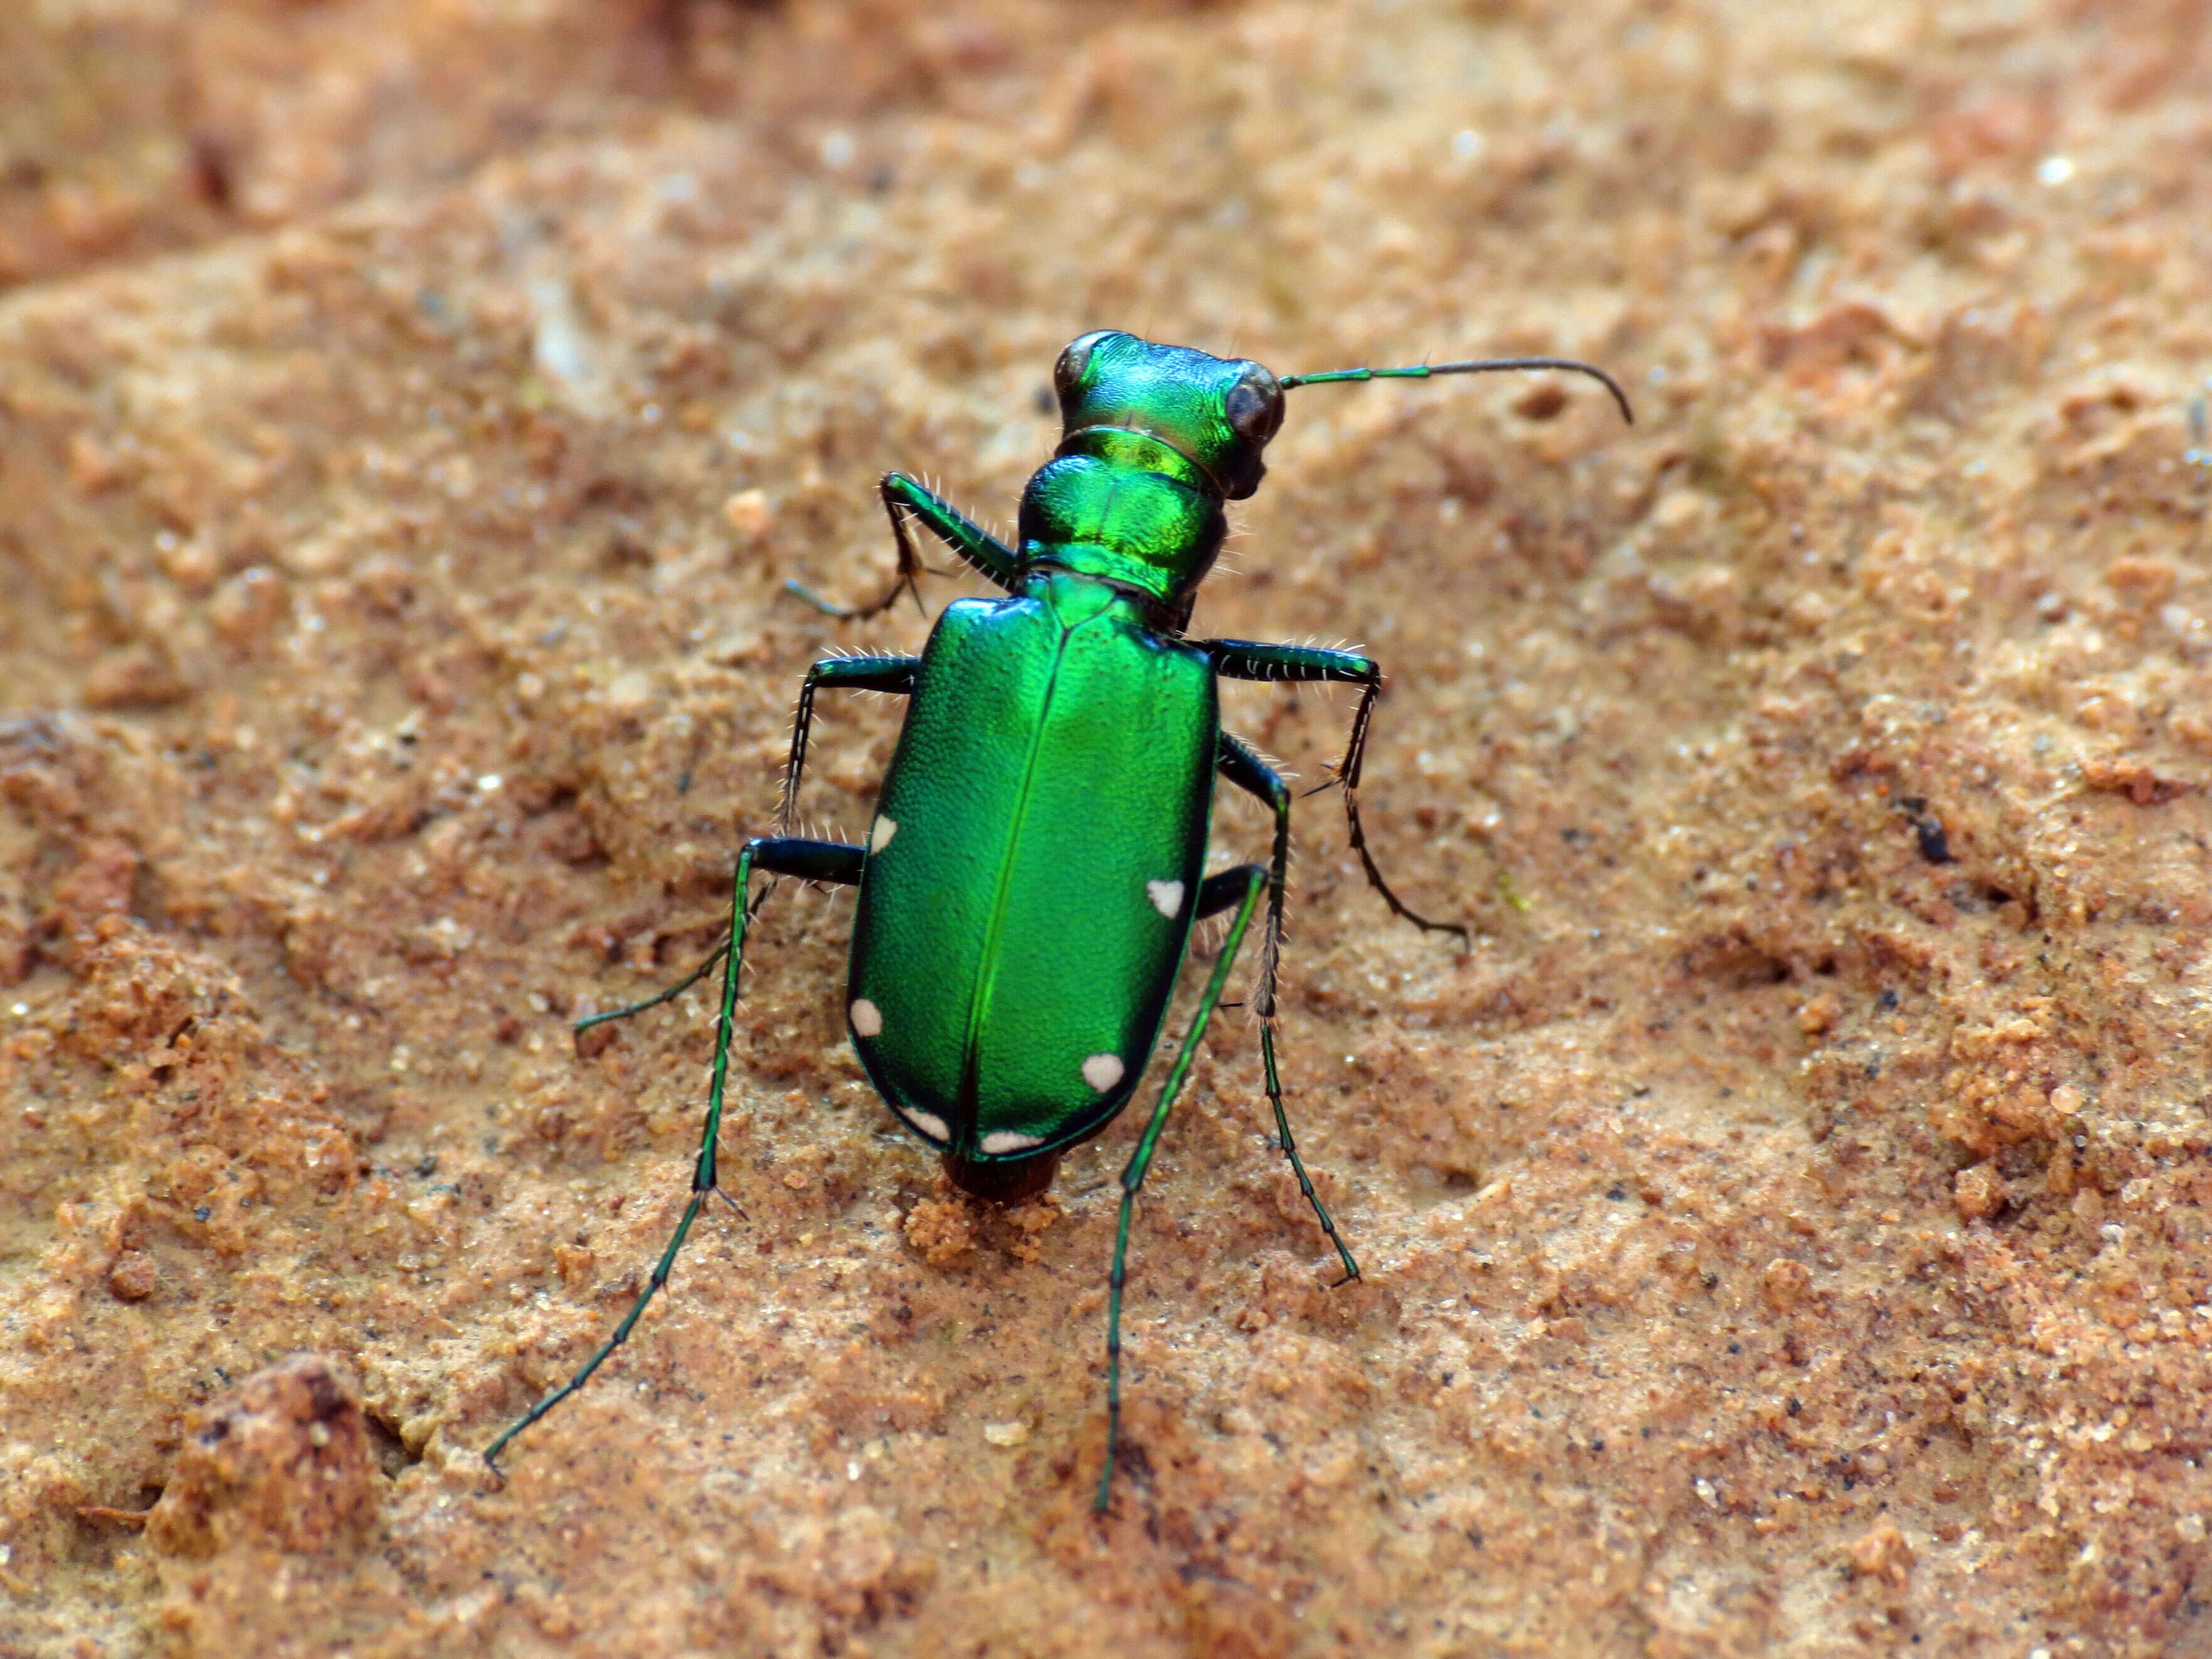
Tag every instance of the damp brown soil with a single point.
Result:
(1783, 1224)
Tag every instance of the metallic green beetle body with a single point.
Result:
(1018, 933)
(1031, 879)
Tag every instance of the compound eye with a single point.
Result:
(1068, 372)
(1255, 407)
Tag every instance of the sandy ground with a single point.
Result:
(1784, 1228)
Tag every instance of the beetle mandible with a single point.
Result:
(1036, 865)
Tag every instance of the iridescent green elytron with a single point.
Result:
(1030, 882)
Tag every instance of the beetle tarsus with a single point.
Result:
(735, 1209)
(590, 1021)
(858, 612)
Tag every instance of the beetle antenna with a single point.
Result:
(1486, 366)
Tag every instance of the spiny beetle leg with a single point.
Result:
(1290, 1152)
(908, 580)
(893, 674)
(808, 861)
(1220, 893)
(976, 547)
(1248, 659)
(784, 850)
(1223, 892)
(1254, 880)
(1243, 766)
(576, 1031)
(806, 595)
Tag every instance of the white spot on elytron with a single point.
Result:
(1007, 1140)
(880, 836)
(867, 1019)
(1102, 1071)
(931, 1125)
(1166, 897)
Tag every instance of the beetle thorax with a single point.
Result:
(1104, 508)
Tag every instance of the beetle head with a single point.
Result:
(1217, 413)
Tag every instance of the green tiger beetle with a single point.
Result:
(1036, 865)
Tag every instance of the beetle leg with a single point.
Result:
(771, 859)
(1241, 765)
(1247, 660)
(1290, 1152)
(576, 1032)
(893, 674)
(1254, 880)
(809, 861)
(975, 546)
(1218, 893)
